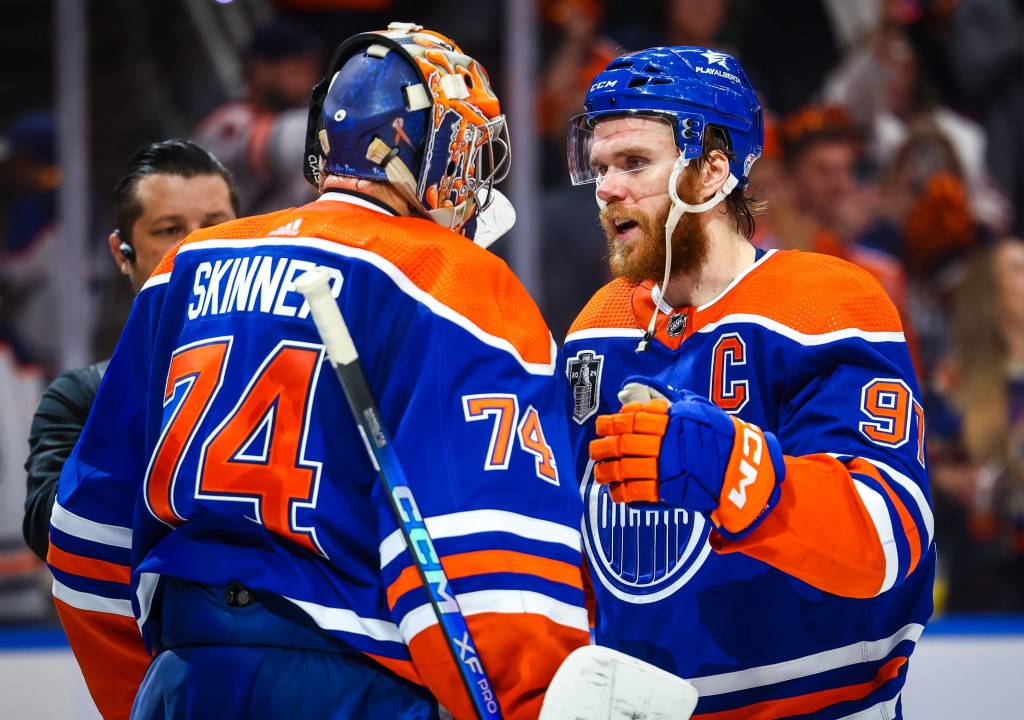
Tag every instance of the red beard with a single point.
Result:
(644, 258)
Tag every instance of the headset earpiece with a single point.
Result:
(126, 249)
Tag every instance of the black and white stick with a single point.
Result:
(341, 352)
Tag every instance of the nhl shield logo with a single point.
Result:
(584, 373)
(676, 325)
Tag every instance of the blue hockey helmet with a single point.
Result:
(408, 107)
(691, 87)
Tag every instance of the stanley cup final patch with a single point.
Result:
(584, 373)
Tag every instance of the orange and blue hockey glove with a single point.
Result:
(679, 448)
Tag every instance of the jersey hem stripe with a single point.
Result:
(857, 653)
(473, 522)
(77, 526)
(88, 601)
(517, 602)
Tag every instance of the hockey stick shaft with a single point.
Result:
(341, 352)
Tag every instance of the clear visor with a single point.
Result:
(624, 150)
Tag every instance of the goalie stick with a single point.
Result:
(341, 352)
(598, 683)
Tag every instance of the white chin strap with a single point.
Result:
(678, 208)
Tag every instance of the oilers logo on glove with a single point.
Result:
(679, 448)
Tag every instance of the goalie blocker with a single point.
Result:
(598, 683)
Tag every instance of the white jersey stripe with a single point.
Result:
(154, 280)
(88, 601)
(805, 339)
(597, 333)
(914, 491)
(855, 654)
(473, 522)
(516, 602)
(77, 526)
(400, 279)
(343, 620)
(878, 510)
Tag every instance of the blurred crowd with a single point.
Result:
(893, 140)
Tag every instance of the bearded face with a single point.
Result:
(642, 257)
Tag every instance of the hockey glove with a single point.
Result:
(681, 449)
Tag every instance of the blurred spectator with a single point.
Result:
(887, 90)
(572, 245)
(976, 438)
(696, 22)
(929, 224)
(30, 243)
(579, 52)
(925, 195)
(988, 62)
(261, 137)
(826, 202)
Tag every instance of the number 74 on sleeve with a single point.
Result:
(509, 428)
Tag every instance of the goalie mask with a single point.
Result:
(692, 88)
(406, 106)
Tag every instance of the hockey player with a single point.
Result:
(234, 513)
(747, 427)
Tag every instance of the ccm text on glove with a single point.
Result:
(679, 448)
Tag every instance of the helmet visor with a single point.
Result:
(627, 150)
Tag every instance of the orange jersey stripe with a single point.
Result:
(110, 651)
(848, 560)
(447, 266)
(520, 654)
(859, 465)
(812, 702)
(482, 562)
(88, 567)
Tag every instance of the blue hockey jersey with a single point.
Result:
(221, 448)
(817, 611)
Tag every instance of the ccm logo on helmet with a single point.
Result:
(603, 84)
